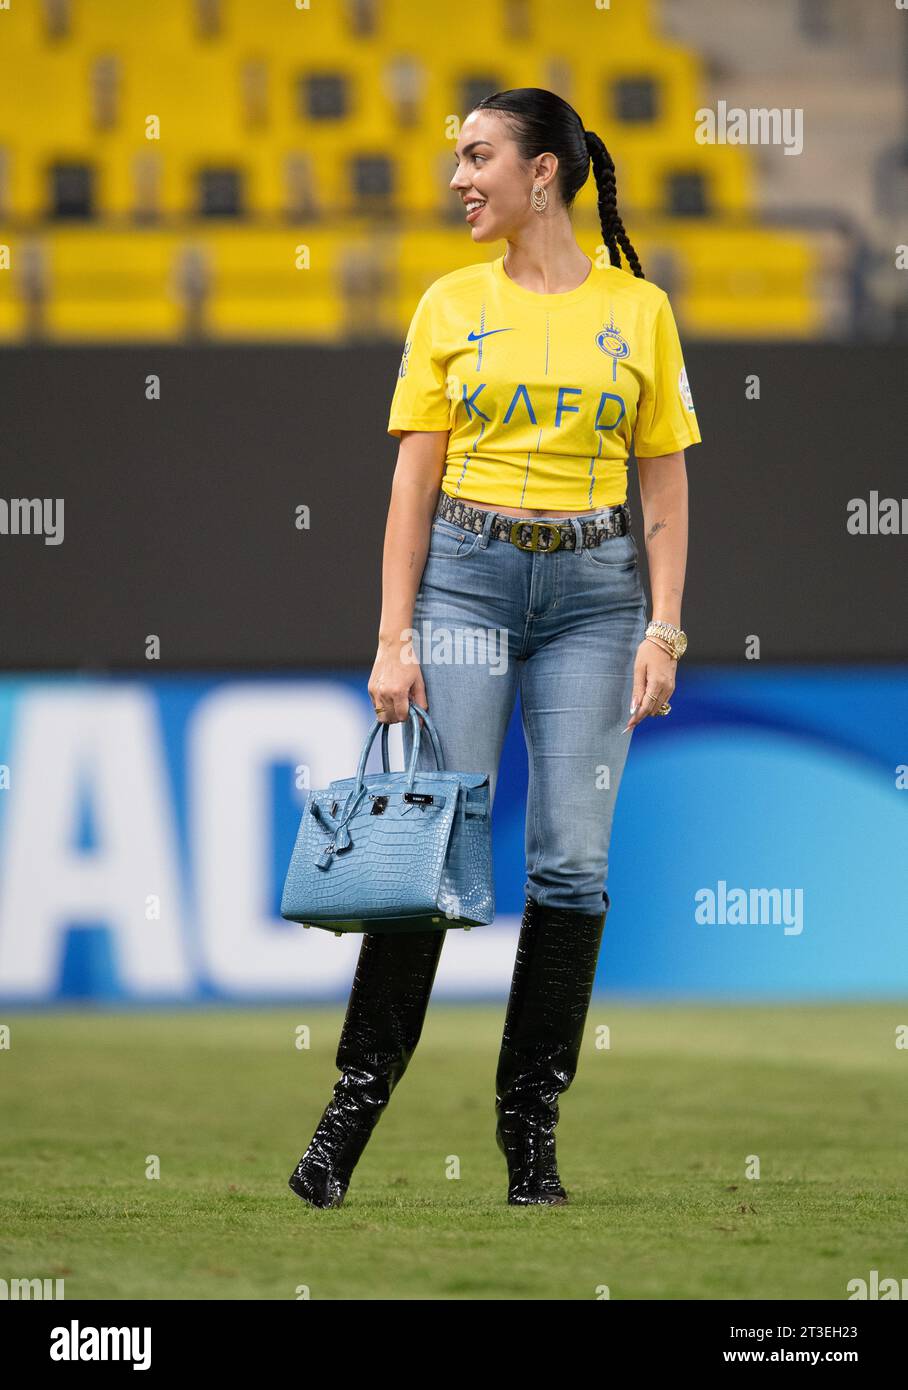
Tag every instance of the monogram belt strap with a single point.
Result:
(529, 534)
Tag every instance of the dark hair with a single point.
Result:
(540, 122)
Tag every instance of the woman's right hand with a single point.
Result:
(396, 680)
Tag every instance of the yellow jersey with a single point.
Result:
(543, 394)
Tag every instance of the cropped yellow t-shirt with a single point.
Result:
(543, 393)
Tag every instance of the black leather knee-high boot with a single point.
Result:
(549, 1000)
(387, 1007)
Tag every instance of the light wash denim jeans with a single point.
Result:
(563, 628)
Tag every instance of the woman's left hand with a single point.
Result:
(654, 681)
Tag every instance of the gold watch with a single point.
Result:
(667, 632)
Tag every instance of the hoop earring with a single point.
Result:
(539, 199)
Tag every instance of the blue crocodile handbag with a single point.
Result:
(395, 851)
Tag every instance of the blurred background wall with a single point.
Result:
(216, 219)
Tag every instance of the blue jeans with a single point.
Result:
(564, 628)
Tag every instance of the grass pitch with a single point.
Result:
(655, 1140)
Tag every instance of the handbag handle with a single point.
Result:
(436, 745)
(416, 713)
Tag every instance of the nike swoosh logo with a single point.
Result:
(475, 337)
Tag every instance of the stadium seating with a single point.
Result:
(163, 168)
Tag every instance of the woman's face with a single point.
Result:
(489, 169)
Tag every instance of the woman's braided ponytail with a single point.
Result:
(613, 232)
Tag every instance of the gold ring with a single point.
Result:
(665, 708)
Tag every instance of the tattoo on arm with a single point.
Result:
(657, 526)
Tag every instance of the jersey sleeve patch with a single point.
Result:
(684, 388)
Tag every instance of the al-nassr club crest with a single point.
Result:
(611, 342)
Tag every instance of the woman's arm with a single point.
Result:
(396, 678)
(663, 493)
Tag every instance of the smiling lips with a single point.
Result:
(476, 210)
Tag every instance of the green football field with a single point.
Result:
(656, 1140)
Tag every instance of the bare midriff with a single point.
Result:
(525, 511)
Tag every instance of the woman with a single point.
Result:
(522, 384)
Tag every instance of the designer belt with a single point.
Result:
(528, 534)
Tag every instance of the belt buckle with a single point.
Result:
(535, 527)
